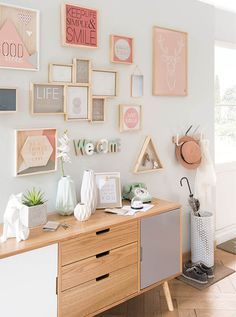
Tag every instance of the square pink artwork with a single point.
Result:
(169, 62)
(79, 26)
(121, 49)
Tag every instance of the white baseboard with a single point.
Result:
(225, 234)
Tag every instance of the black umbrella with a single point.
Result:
(193, 202)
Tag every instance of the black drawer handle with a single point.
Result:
(102, 231)
(102, 277)
(102, 254)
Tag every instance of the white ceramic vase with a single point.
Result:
(82, 212)
(66, 196)
(89, 190)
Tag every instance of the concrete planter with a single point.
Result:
(34, 216)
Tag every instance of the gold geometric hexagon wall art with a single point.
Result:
(36, 151)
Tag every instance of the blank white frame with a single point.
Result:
(60, 73)
(104, 83)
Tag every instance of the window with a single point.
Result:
(225, 103)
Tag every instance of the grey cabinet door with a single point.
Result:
(160, 247)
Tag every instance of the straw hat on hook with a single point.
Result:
(188, 152)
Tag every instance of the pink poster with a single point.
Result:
(18, 38)
(130, 117)
(79, 26)
(169, 62)
(121, 49)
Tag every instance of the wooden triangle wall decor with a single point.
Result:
(148, 160)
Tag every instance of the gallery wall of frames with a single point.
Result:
(100, 70)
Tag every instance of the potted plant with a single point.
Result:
(34, 211)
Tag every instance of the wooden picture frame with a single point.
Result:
(98, 109)
(47, 99)
(136, 89)
(8, 99)
(82, 71)
(121, 49)
(60, 73)
(170, 62)
(108, 190)
(77, 20)
(19, 37)
(130, 118)
(148, 160)
(78, 103)
(36, 151)
(104, 83)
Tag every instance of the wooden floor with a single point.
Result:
(219, 300)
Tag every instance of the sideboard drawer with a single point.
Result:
(96, 242)
(98, 265)
(101, 292)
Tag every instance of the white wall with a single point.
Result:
(163, 116)
(225, 31)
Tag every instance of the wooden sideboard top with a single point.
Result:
(98, 221)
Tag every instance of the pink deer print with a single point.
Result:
(171, 61)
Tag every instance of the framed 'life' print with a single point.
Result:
(36, 151)
(47, 99)
(79, 26)
(169, 62)
(19, 37)
(121, 49)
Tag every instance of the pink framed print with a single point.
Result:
(121, 49)
(36, 151)
(130, 118)
(79, 26)
(169, 62)
(19, 37)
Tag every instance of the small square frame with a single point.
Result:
(60, 77)
(33, 96)
(78, 104)
(102, 105)
(135, 110)
(123, 54)
(87, 79)
(112, 190)
(104, 83)
(14, 107)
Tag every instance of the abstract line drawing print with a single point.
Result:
(171, 60)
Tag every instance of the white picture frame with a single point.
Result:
(108, 190)
(137, 86)
(77, 103)
(104, 83)
(60, 73)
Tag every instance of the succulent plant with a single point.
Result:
(33, 198)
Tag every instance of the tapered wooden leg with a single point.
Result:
(168, 296)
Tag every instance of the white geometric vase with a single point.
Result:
(66, 196)
(82, 212)
(89, 190)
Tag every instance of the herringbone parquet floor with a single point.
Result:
(219, 300)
